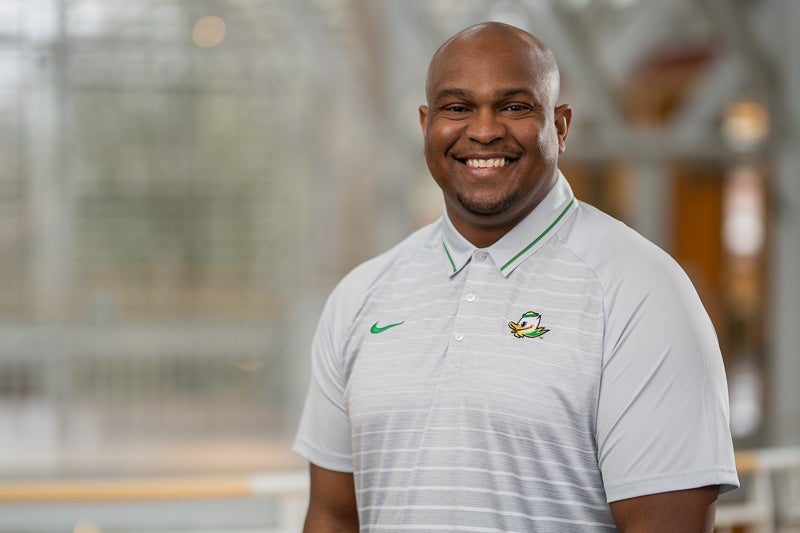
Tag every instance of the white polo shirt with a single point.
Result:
(521, 386)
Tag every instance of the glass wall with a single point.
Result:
(182, 183)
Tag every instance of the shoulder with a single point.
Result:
(365, 276)
(349, 294)
(617, 254)
(662, 425)
(643, 287)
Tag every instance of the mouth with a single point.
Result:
(491, 162)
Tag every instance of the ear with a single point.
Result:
(423, 119)
(563, 118)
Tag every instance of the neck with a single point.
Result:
(482, 231)
(481, 237)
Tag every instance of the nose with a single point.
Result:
(484, 126)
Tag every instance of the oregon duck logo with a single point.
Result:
(528, 326)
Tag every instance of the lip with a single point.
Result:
(464, 157)
(487, 170)
(488, 155)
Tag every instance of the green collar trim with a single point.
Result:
(450, 257)
(537, 239)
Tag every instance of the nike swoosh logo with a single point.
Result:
(377, 329)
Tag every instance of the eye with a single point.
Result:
(455, 108)
(517, 108)
(523, 323)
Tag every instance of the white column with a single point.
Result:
(651, 212)
(50, 201)
(782, 322)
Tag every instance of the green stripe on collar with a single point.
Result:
(450, 257)
(537, 239)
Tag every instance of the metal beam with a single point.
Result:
(559, 29)
(736, 30)
(784, 301)
(640, 144)
(622, 50)
(720, 85)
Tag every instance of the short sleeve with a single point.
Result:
(323, 436)
(662, 421)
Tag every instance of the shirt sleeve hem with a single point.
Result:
(726, 479)
(337, 463)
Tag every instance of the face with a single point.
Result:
(492, 134)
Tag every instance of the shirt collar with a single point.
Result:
(521, 241)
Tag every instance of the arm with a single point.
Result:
(662, 416)
(332, 504)
(682, 511)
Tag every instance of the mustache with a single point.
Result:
(484, 152)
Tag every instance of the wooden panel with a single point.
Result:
(697, 230)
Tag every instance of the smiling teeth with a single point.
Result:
(487, 163)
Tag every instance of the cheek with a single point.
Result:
(440, 137)
(434, 151)
(547, 143)
(548, 149)
(429, 146)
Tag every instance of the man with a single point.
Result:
(526, 363)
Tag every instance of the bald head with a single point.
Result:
(492, 130)
(498, 39)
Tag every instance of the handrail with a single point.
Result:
(767, 459)
(287, 483)
(758, 510)
(155, 488)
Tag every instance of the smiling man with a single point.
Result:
(492, 130)
(526, 363)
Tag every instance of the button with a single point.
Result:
(459, 336)
(470, 296)
(480, 256)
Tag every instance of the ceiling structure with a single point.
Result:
(697, 56)
(334, 86)
(651, 82)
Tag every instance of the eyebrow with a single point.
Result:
(505, 93)
(453, 92)
(464, 93)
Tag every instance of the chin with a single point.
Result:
(488, 208)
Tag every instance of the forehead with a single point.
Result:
(492, 63)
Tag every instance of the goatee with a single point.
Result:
(486, 208)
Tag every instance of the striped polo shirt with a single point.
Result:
(520, 387)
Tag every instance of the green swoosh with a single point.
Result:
(376, 329)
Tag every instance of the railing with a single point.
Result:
(771, 499)
(267, 503)
(276, 502)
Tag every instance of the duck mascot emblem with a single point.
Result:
(528, 326)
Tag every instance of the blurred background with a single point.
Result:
(182, 182)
